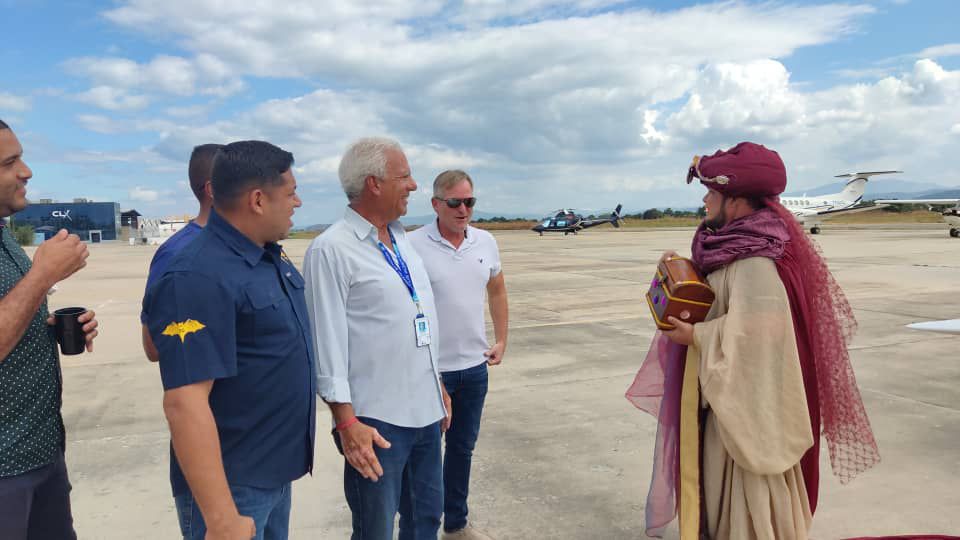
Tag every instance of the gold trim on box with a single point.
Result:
(656, 320)
(694, 302)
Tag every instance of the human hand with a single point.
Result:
(90, 324)
(448, 406)
(59, 257)
(495, 354)
(236, 528)
(681, 334)
(357, 443)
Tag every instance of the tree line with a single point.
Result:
(652, 213)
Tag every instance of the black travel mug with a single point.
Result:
(69, 330)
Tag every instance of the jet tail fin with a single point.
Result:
(615, 218)
(854, 189)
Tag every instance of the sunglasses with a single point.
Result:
(455, 203)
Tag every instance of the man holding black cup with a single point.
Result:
(34, 489)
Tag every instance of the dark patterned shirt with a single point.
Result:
(31, 428)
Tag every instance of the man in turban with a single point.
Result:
(740, 419)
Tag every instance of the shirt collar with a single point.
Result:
(235, 239)
(363, 228)
(433, 231)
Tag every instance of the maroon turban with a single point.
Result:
(746, 170)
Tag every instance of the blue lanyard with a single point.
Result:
(400, 267)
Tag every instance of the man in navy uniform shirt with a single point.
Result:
(199, 171)
(230, 322)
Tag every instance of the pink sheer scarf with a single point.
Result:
(656, 390)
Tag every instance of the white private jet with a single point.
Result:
(951, 326)
(951, 216)
(810, 211)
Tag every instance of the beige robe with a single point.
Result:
(756, 427)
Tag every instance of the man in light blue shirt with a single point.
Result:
(375, 335)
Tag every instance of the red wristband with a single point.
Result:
(347, 423)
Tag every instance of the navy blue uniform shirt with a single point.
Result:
(165, 253)
(230, 311)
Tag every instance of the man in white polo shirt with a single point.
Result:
(464, 267)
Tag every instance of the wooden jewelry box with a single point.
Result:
(679, 290)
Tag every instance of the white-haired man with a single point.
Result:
(374, 329)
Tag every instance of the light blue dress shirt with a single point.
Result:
(362, 316)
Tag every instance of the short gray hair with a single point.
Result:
(448, 179)
(365, 157)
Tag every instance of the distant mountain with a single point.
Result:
(938, 194)
(423, 220)
(876, 189)
(318, 227)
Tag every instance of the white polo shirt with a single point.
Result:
(459, 277)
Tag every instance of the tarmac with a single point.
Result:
(562, 454)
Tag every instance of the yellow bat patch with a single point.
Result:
(181, 329)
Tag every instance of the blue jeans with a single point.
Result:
(269, 508)
(412, 483)
(467, 389)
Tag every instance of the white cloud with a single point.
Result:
(940, 51)
(541, 106)
(753, 98)
(101, 124)
(139, 193)
(552, 88)
(955, 129)
(14, 103)
(480, 11)
(113, 99)
(440, 158)
(164, 74)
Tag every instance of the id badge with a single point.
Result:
(422, 327)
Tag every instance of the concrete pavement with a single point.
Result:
(562, 454)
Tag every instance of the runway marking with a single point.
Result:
(580, 321)
(105, 304)
(904, 398)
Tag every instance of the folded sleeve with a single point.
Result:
(496, 267)
(192, 321)
(326, 290)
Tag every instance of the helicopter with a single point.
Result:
(567, 221)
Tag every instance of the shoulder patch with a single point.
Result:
(181, 329)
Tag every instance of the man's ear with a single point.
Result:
(371, 182)
(208, 189)
(436, 204)
(256, 198)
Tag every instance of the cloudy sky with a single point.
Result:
(547, 103)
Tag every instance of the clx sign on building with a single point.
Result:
(91, 221)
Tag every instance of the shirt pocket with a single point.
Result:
(294, 279)
(269, 317)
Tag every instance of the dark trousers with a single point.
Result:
(467, 389)
(35, 505)
(412, 484)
